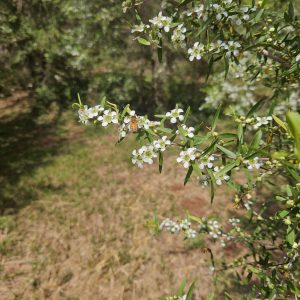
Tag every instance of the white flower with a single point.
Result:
(254, 163)
(260, 121)
(234, 221)
(199, 11)
(178, 35)
(175, 114)
(196, 52)
(162, 22)
(219, 179)
(187, 131)
(206, 161)
(232, 48)
(83, 115)
(108, 117)
(161, 144)
(123, 129)
(203, 180)
(137, 159)
(185, 224)
(248, 205)
(170, 226)
(139, 28)
(148, 153)
(190, 233)
(186, 157)
(298, 58)
(143, 122)
(94, 111)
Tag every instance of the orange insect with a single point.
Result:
(133, 125)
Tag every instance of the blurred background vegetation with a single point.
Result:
(55, 49)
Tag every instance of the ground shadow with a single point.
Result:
(24, 146)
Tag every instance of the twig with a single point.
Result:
(271, 55)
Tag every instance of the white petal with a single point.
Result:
(186, 164)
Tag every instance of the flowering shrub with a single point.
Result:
(256, 156)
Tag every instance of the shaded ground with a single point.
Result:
(83, 236)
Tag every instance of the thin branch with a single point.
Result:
(274, 57)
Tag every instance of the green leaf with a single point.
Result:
(283, 213)
(258, 16)
(227, 135)
(226, 169)
(165, 130)
(227, 152)
(293, 121)
(197, 169)
(185, 2)
(190, 291)
(241, 134)
(291, 236)
(253, 270)
(143, 41)
(161, 161)
(182, 287)
(209, 148)
(256, 140)
(124, 111)
(188, 175)
(254, 108)
(186, 114)
(216, 117)
(210, 297)
(181, 133)
(227, 296)
(279, 122)
(291, 10)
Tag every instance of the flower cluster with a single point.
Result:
(85, 113)
(213, 228)
(146, 154)
(255, 163)
(178, 36)
(234, 221)
(174, 227)
(162, 22)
